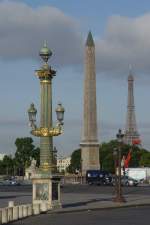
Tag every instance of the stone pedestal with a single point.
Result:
(46, 189)
(89, 156)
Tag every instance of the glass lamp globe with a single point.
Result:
(120, 136)
(60, 112)
(45, 52)
(32, 113)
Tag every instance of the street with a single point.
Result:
(71, 194)
(84, 189)
(85, 205)
(122, 216)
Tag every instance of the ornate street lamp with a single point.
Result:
(117, 152)
(32, 116)
(120, 136)
(60, 114)
(46, 182)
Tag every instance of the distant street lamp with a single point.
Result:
(81, 161)
(117, 153)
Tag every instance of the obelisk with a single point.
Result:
(89, 144)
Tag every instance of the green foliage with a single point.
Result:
(135, 157)
(25, 152)
(145, 159)
(36, 155)
(139, 157)
(8, 164)
(2, 169)
(106, 155)
(75, 162)
(107, 158)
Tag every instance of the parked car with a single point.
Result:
(15, 182)
(127, 181)
(10, 182)
(98, 177)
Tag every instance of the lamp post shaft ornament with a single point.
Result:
(46, 130)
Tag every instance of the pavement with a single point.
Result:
(89, 198)
(86, 205)
(17, 197)
(76, 202)
(123, 216)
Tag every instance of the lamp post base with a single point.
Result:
(46, 190)
(119, 199)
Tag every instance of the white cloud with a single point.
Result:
(126, 41)
(23, 30)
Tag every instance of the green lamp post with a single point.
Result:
(117, 154)
(47, 171)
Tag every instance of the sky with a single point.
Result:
(121, 31)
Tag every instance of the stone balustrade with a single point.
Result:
(15, 212)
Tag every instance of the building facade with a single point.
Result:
(63, 163)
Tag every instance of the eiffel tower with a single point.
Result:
(131, 134)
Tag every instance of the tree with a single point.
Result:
(36, 155)
(145, 159)
(2, 169)
(139, 157)
(135, 156)
(75, 162)
(107, 158)
(106, 155)
(25, 151)
(7, 165)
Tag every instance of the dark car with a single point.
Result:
(98, 177)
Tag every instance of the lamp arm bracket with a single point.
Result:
(47, 132)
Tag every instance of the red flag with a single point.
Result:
(136, 141)
(127, 160)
